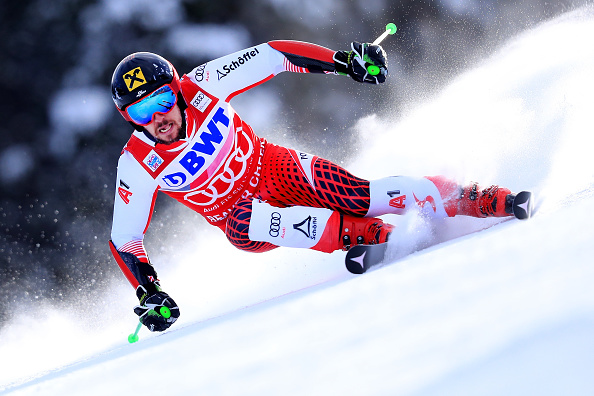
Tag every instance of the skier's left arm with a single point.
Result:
(304, 57)
(238, 72)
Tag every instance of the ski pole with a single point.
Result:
(390, 29)
(163, 311)
(132, 338)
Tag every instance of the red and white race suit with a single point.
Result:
(219, 161)
(222, 165)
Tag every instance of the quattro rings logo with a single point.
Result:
(199, 74)
(275, 221)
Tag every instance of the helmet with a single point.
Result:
(138, 75)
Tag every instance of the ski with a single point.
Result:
(360, 258)
(522, 205)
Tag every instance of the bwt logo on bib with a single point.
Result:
(195, 159)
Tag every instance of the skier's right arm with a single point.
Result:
(134, 199)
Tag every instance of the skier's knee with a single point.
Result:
(237, 229)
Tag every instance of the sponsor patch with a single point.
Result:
(201, 101)
(241, 60)
(275, 224)
(123, 191)
(200, 72)
(308, 227)
(134, 79)
(153, 161)
(206, 147)
(398, 202)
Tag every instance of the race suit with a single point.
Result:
(228, 174)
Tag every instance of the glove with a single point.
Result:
(152, 314)
(355, 63)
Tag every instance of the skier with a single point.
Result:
(190, 144)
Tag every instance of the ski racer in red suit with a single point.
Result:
(190, 144)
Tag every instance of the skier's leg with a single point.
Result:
(491, 201)
(292, 178)
(237, 229)
(307, 182)
(438, 197)
(472, 200)
(398, 194)
(313, 228)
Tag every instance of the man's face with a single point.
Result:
(166, 128)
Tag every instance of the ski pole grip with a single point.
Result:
(163, 311)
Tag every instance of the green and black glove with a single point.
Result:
(156, 310)
(364, 63)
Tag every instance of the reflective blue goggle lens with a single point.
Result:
(160, 101)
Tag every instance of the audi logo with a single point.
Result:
(200, 73)
(275, 221)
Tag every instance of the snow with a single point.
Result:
(507, 310)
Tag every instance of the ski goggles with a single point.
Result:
(161, 101)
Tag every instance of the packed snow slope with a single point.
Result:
(508, 310)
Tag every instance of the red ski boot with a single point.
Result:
(492, 201)
(343, 231)
(363, 231)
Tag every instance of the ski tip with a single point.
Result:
(522, 206)
(355, 268)
(355, 263)
(360, 258)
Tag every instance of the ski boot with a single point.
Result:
(343, 231)
(363, 231)
(492, 201)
